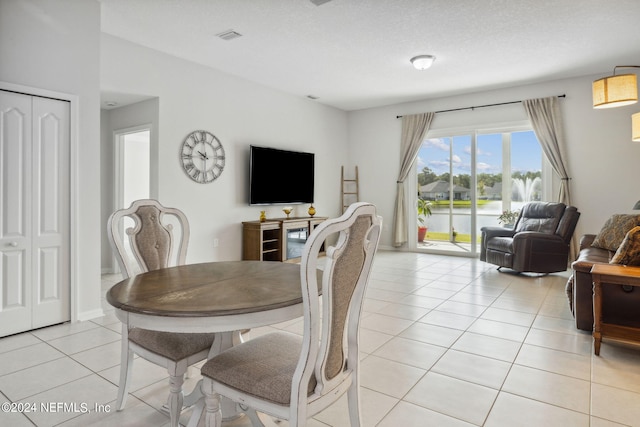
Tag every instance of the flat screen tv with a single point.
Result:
(280, 177)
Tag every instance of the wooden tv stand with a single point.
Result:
(279, 239)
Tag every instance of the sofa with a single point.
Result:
(621, 304)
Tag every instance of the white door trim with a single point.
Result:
(73, 180)
(118, 158)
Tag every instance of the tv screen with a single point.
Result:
(280, 176)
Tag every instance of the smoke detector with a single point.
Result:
(229, 35)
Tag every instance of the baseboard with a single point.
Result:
(92, 314)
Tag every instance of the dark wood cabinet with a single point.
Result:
(280, 239)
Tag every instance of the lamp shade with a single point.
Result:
(615, 91)
(635, 127)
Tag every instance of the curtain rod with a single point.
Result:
(482, 106)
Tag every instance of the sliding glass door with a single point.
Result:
(468, 180)
(445, 182)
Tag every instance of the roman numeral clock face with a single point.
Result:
(202, 156)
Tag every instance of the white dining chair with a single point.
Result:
(294, 377)
(156, 237)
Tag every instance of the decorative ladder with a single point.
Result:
(349, 190)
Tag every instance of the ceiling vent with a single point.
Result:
(320, 2)
(229, 35)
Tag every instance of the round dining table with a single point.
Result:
(223, 297)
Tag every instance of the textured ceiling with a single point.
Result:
(354, 54)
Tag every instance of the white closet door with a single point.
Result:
(50, 221)
(34, 227)
(15, 228)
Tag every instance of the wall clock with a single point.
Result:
(202, 156)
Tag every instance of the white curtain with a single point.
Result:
(545, 117)
(414, 129)
(544, 114)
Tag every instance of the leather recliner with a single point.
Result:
(538, 243)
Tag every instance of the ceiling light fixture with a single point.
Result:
(422, 62)
(616, 91)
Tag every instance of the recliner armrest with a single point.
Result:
(539, 252)
(535, 235)
(489, 232)
(526, 241)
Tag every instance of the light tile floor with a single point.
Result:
(446, 341)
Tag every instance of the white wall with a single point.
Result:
(603, 161)
(239, 113)
(54, 45)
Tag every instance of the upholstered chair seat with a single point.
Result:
(171, 345)
(263, 367)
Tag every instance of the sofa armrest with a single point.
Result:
(586, 240)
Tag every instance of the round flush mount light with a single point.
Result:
(422, 62)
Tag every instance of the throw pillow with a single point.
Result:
(629, 251)
(614, 230)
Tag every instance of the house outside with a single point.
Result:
(492, 193)
(439, 190)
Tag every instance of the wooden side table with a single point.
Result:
(616, 275)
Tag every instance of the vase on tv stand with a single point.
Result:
(311, 211)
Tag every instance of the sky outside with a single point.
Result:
(526, 154)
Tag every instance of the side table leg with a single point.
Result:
(597, 315)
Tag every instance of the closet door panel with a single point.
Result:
(50, 209)
(15, 230)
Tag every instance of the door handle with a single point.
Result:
(13, 244)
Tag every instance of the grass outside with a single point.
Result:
(462, 238)
(457, 203)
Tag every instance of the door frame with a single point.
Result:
(73, 181)
(118, 157)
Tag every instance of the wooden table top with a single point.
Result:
(615, 270)
(210, 289)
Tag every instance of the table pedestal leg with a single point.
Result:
(222, 342)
